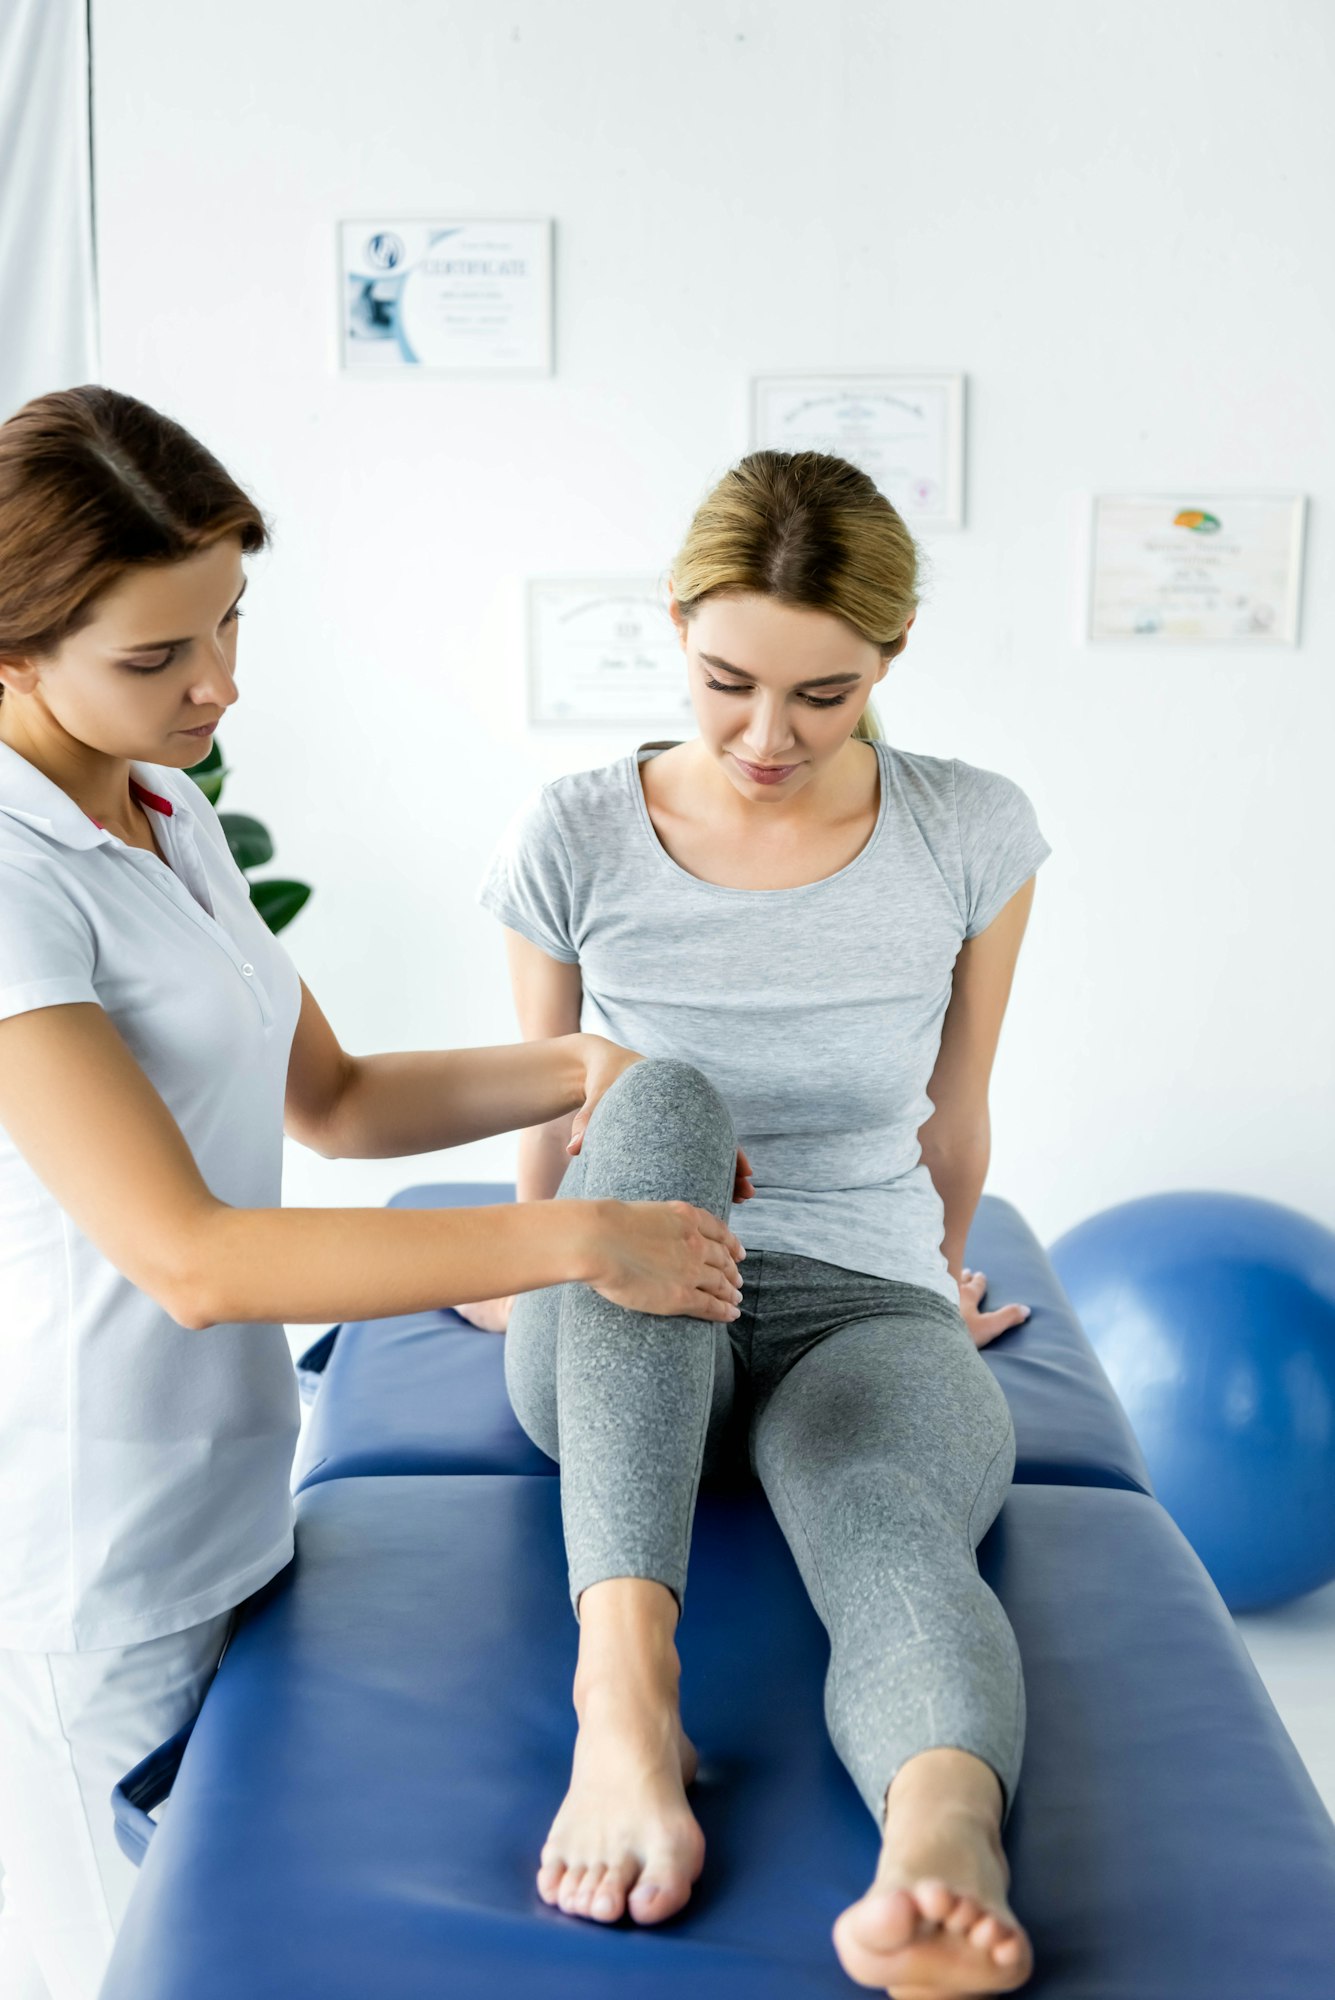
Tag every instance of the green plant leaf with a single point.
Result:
(211, 785)
(248, 839)
(209, 773)
(278, 901)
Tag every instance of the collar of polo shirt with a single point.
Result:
(28, 794)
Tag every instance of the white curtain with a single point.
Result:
(48, 305)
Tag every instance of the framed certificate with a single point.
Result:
(453, 297)
(604, 650)
(906, 431)
(1193, 568)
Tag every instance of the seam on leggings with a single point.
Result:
(759, 1256)
(90, 1850)
(968, 1532)
(1015, 1729)
(1008, 1788)
(824, 1606)
(684, 1561)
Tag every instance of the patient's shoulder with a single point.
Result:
(582, 803)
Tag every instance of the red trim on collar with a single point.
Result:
(145, 798)
(150, 798)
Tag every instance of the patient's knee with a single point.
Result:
(668, 1092)
(662, 1132)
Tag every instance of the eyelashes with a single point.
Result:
(161, 666)
(811, 700)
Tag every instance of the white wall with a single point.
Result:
(1114, 219)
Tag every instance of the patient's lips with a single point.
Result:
(763, 774)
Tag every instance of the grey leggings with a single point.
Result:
(881, 1439)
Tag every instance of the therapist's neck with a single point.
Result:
(99, 785)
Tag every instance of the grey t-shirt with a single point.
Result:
(815, 1011)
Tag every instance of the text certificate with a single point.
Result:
(456, 297)
(905, 431)
(1196, 567)
(604, 650)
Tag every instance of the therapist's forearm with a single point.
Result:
(393, 1105)
(306, 1265)
(959, 1171)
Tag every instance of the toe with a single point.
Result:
(609, 1900)
(550, 1876)
(884, 1920)
(935, 1899)
(989, 1930)
(568, 1894)
(964, 1916)
(589, 1885)
(651, 1900)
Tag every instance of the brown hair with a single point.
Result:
(811, 530)
(93, 483)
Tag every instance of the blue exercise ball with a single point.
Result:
(1214, 1316)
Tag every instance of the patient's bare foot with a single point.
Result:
(935, 1923)
(625, 1838)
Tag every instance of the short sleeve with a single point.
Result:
(1000, 842)
(47, 953)
(529, 881)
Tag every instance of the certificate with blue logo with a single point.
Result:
(451, 297)
(604, 650)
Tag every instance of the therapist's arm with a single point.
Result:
(98, 1135)
(956, 1141)
(386, 1106)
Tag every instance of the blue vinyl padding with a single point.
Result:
(397, 1397)
(361, 1804)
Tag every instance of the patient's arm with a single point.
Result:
(956, 1141)
(548, 996)
(548, 999)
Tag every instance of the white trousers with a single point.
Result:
(71, 1726)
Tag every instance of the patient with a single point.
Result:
(811, 937)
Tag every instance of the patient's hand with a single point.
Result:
(492, 1315)
(982, 1326)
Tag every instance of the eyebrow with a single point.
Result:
(165, 645)
(816, 681)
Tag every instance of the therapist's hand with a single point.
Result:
(666, 1257)
(606, 1062)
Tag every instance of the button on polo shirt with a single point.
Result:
(144, 1469)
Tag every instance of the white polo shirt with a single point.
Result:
(143, 1468)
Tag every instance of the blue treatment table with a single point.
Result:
(396, 1397)
(360, 1807)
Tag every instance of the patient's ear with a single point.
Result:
(893, 652)
(677, 615)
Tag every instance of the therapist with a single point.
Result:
(155, 1043)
